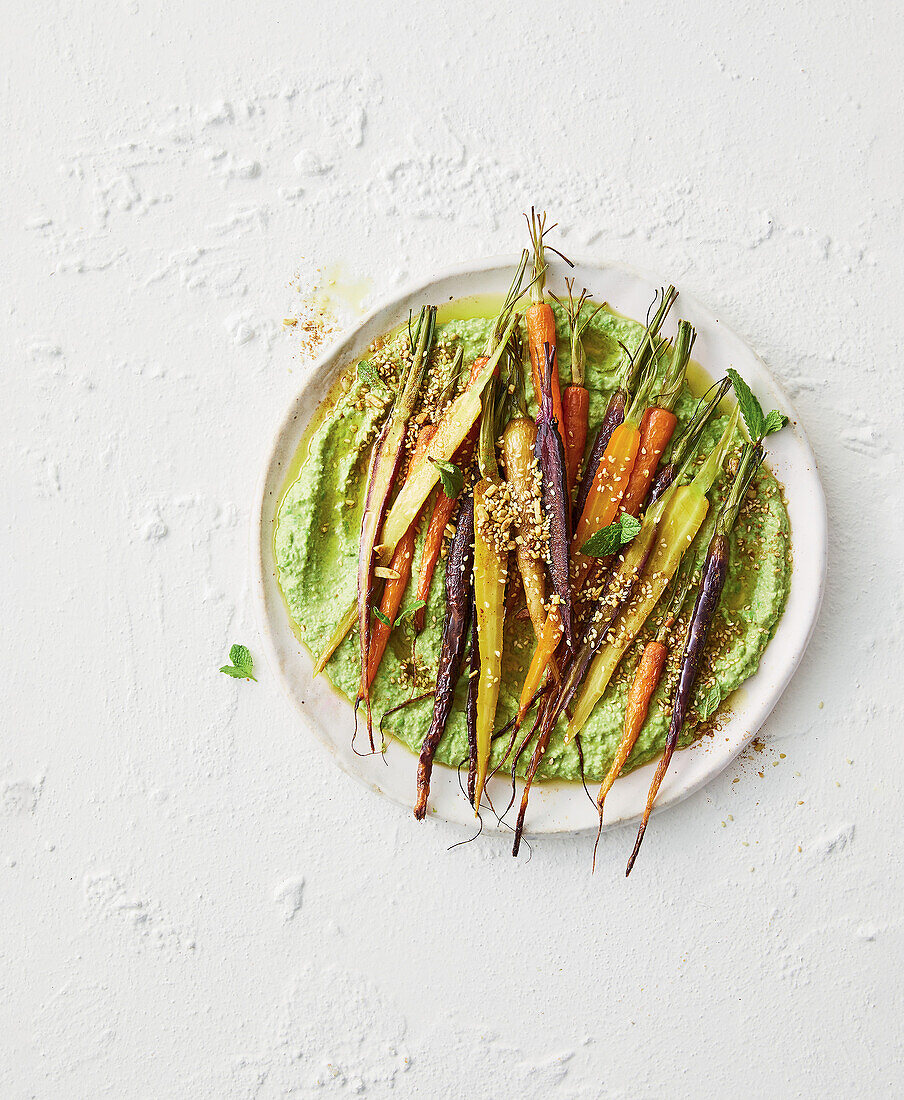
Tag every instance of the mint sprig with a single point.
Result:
(242, 667)
(759, 425)
(451, 477)
(610, 539)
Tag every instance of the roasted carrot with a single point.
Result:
(449, 433)
(658, 424)
(614, 471)
(395, 586)
(614, 415)
(634, 367)
(714, 572)
(550, 453)
(646, 679)
(547, 644)
(575, 396)
(539, 318)
(678, 514)
(518, 440)
(443, 511)
(385, 462)
(688, 439)
(490, 575)
(455, 637)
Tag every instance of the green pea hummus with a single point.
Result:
(316, 543)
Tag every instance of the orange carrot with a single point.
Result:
(575, 396)
(646, 680)
(400, 563)
(540, 319)
(656, 429)
(575, 408)
(658, 424)
(605, 494)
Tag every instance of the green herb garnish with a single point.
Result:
(451, 477)
(612, 538)
(369, 375)
(242, 664)
(758, 424)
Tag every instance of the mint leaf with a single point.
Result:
(451, 477)
(751, 409)
(242, 666)
(409, 612)
(369, 375)
(378, 614)
(775, 421)
(710, 701)
(612, 538)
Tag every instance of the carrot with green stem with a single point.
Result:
(689, 438)
(714, 572)
(385, 462)
(646, 679)
(680, 512)
(634, 368)
(576, 396)
(449, 432)
(539, 318)
(518, 440)
(491, 547)
(550, 453)
(444, 507)
(658, 424)
(633, 583)
(399, 574)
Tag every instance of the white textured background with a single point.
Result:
(195, 901)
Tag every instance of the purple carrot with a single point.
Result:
(615, 415)
(471, 705)
(382, 476)
(712, 581)
(550, 453)
(459, 598)
(689, 439)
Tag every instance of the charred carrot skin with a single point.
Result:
(455, 634)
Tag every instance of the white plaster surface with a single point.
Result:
(194, 901)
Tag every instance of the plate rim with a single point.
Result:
(321, 373)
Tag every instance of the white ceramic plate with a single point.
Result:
(554, 807)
